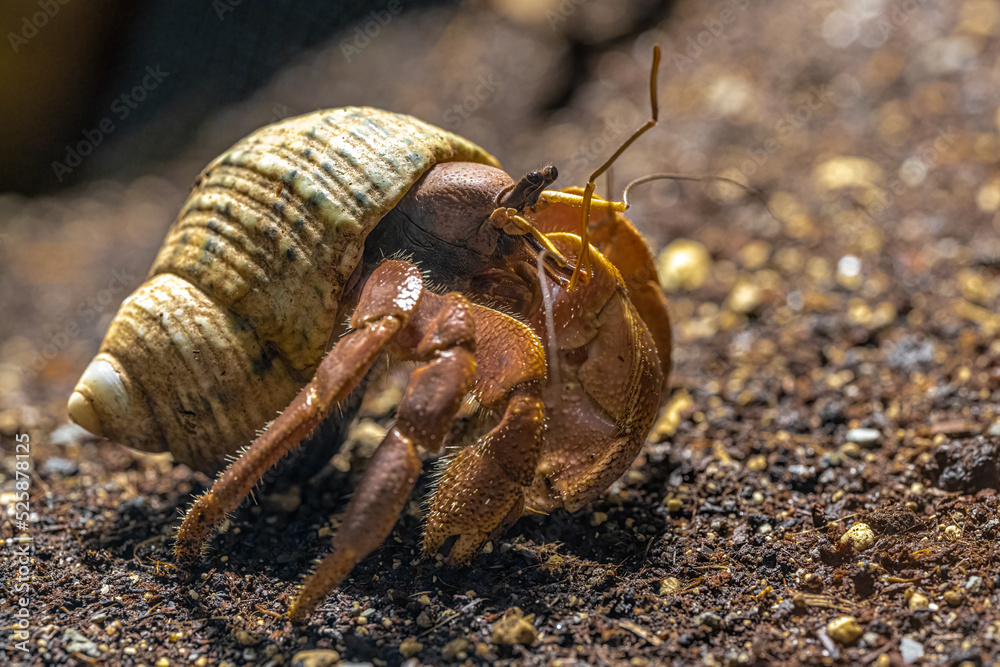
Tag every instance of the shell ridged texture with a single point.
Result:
(267, 240)
(276, 225)
(205, 381)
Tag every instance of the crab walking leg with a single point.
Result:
(385, 305)
(429, 405)
(482, 492)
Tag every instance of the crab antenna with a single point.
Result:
(584, 261)
(672, 176)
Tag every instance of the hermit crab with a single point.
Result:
(438, 257)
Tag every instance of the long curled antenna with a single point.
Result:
(673, 176)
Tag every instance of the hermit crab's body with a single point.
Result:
(436, 256)
(243, 299)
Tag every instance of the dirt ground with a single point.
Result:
(822, 485)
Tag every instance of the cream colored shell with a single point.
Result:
(243, 297)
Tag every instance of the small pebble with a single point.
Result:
(367, 434)
(597, 518)
(76, 642)
(674, 504)
(285, 501)
(162, 662)
(745, 297)
(514, 628)
(709, 619)
(684, 264)
(316, 658)
(410, 647)
(911, 650)
(757, 463)
(973, 584)
(455, 649)
(245, 638)
(844, 629)
(918, 601)
(860, 535)
(670, 585)
(59, 466)
(66, 434)
(863, 436)
(851, 449)
(954, 598)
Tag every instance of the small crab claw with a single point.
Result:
(511, 222)
(482, 491)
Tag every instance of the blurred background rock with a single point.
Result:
(871, 126)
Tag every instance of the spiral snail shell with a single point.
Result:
(242, 300)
